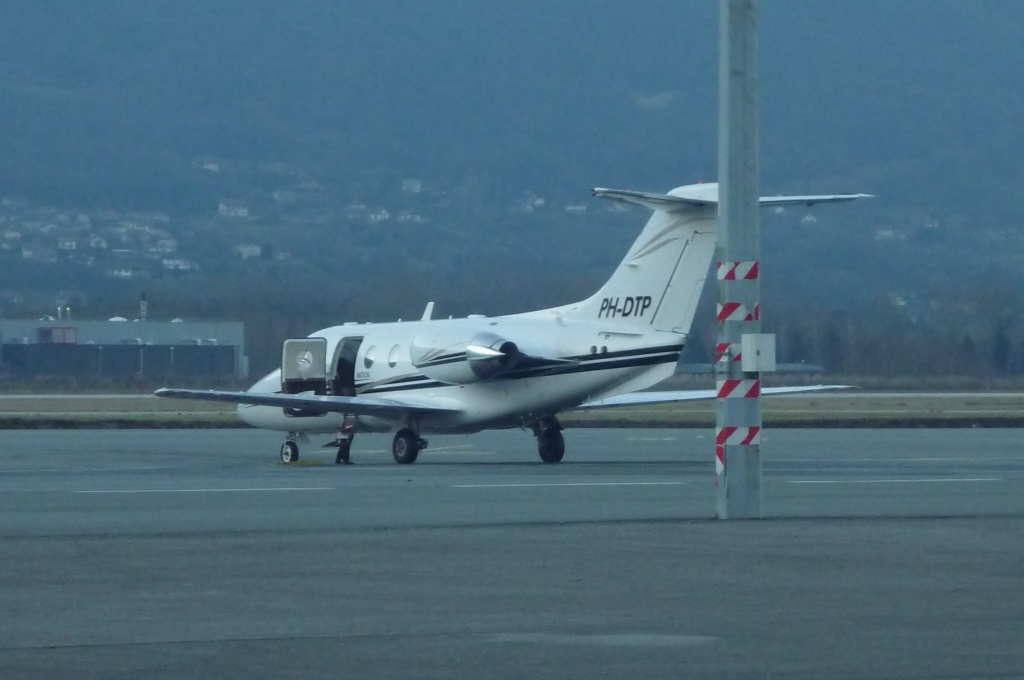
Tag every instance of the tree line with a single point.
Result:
(971, 332)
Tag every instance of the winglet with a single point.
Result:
(428, 312)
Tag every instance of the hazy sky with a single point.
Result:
(581, 91)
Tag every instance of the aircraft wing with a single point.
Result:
(313, 404)
(634, 398)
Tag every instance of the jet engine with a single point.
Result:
(460, 361)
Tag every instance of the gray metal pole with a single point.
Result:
(738, 406)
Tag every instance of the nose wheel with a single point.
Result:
(289, 451)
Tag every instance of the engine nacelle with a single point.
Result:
(452, 359)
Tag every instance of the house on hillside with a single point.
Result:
(163, 245)
(177, 264)
(230, 207)
(248, 250)
(412, 186)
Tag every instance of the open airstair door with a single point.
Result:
(345, 354)
(304, 366)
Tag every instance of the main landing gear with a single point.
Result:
(406, 446)
(550, 443)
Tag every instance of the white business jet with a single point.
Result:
(522, 370)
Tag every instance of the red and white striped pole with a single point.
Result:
(738, 404)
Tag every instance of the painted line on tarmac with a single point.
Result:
(443, 452)
(448, 450)
(898, 459)
(253, 489)
(79, 468)
(606, 640)
(650, 439)
(540, 484)
(894, 481)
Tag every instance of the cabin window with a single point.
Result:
(370, 356)
(393, 356)
(604, 349)
(593, 349)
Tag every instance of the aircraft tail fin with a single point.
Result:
(660, 280)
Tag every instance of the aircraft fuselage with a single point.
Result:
(562, 363)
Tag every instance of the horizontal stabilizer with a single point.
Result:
(665, 202)
(769, 201)
(697, 195)
(312, 404)
(634, 398)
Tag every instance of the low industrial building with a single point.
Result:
(122, 349)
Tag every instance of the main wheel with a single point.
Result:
(289, 452)
(406, 447)
(551, 445)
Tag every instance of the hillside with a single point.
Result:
(369, 148)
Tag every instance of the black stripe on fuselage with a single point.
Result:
(635, 358)
(603, 362)
(441, 361)
(629, 352)
(425, 383)
(643, 351)
(401, 382)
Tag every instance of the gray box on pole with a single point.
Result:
(757, 353)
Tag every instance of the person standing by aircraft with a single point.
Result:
(346, 433)
(344, 385)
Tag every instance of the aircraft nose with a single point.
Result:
(245, 414)
(261, 416)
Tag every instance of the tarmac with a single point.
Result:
(194, 553)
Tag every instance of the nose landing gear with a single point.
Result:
(289, 450)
